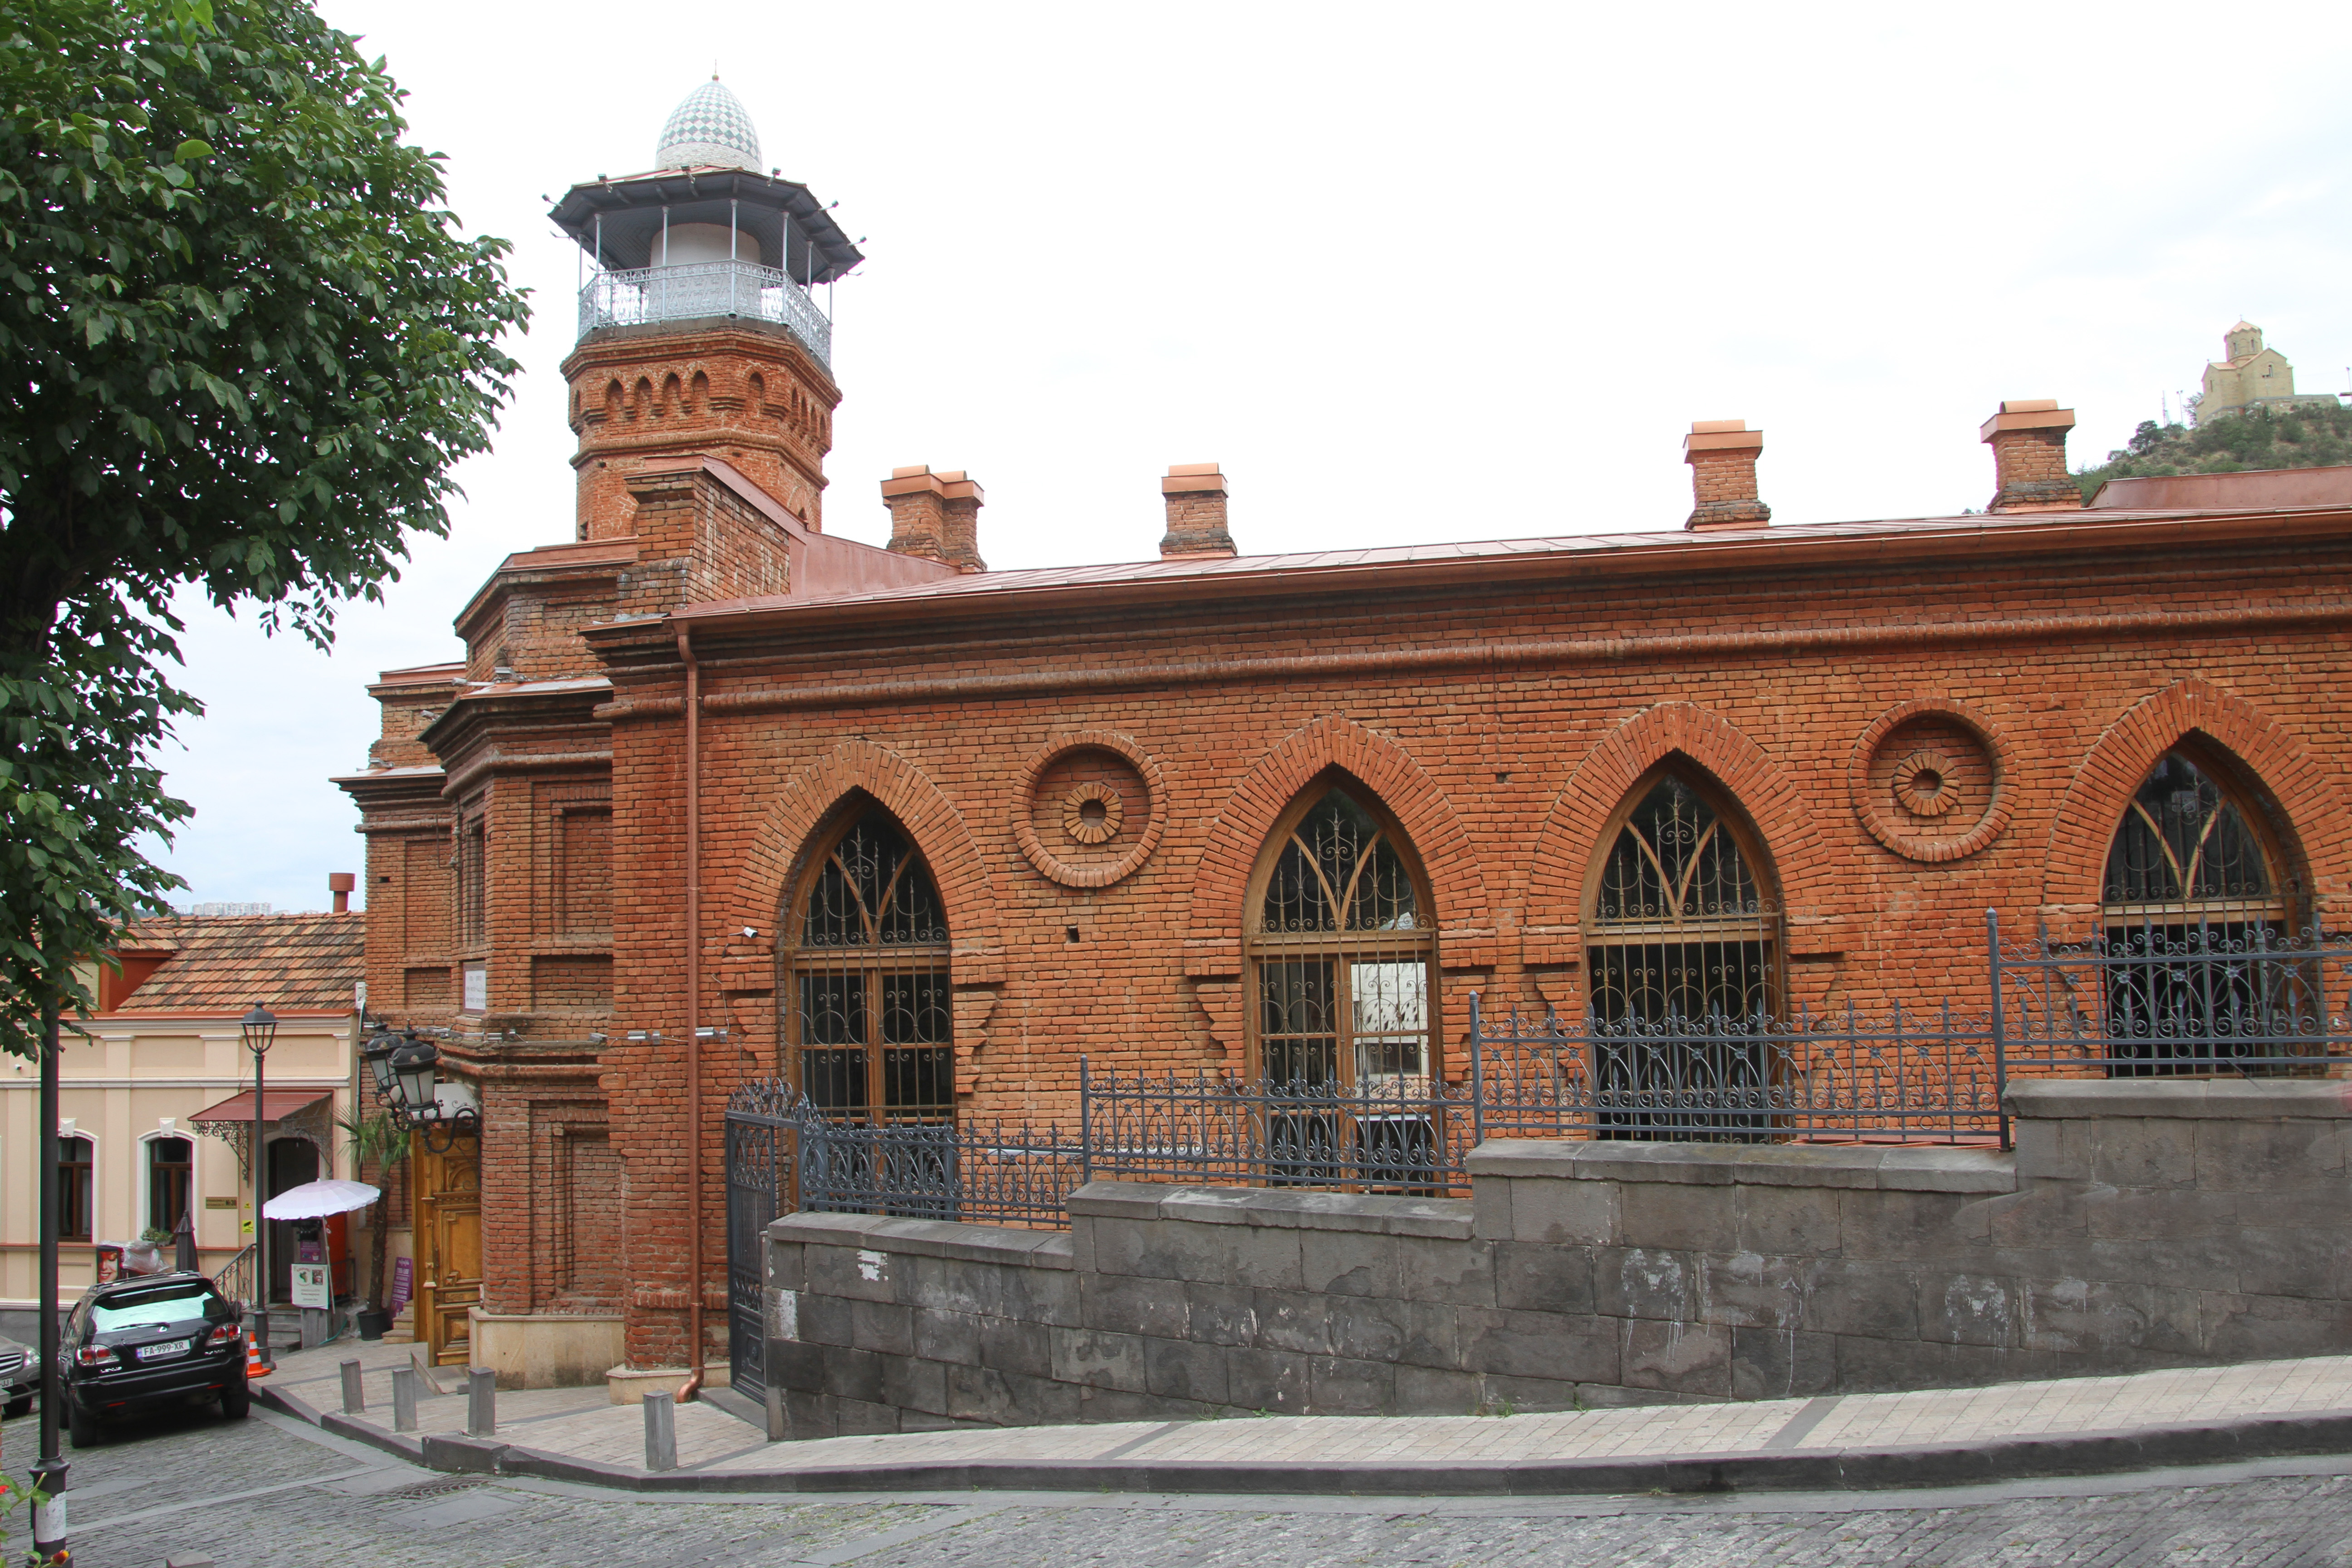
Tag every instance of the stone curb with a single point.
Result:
(1872, 1470)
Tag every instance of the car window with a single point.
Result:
(174, 1304)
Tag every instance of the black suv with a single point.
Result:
(158, 1339)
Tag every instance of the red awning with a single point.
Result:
(282, 1103)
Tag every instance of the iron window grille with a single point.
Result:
(1683, 964)
(2197, 929)
(870, 1029)
(1342, 952)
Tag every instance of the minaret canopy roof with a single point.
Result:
(761, 205)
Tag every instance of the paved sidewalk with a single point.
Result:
(2071, 1425)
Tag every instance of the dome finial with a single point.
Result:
(707, 128)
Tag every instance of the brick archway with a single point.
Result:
(1799, 857)
(1213, 926)
(930, 820)
(2307, 790)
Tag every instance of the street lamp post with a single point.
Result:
(260, 1028)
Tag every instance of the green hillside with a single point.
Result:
(2312, 437)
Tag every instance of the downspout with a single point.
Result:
(693, 1383)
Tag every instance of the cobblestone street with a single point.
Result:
(271, 1491)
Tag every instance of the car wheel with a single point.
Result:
(81, 1426)
(236, 1400)
(19, 1408)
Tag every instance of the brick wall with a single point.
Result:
(1504, 779)
(2137, 1227)
(1502, 769)
(1501, 722)
(745, 392)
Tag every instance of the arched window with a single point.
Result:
(77, 1194)
(2196, 919)
(1681, 926)
(1341, 945)
(868, 1025)
(1683, 963)
(2186, 853)
(171, 1164)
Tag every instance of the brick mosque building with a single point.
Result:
(717, 795)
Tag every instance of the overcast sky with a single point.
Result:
(1409, 273)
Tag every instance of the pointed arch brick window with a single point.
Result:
(869, 1028)
(1342, 950)
(1682, 922)
(2198, 921)
(1682, 959)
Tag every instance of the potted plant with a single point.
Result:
(376, 1139)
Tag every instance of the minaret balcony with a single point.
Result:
(701, 290)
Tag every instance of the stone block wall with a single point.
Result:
(2136, 1225)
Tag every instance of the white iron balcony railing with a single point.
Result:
(696, 290)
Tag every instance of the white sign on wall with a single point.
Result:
(311, 1286)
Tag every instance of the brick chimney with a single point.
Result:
(340, 884)
(2028, 439)
(936, 516)
(1722, 456)
(1196, 494)
(964, 499)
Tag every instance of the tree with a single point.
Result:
(2307, 435)
(376, 1139)
(244, 344)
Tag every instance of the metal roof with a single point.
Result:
(632, 208)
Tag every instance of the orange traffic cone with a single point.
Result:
(252, 1367)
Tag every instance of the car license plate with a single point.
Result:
(170, 1347)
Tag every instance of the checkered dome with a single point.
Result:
(708, 128)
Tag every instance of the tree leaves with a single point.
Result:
(241, 345)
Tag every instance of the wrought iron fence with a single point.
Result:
(987, 1173)
(1903, 1076)
(2173, 996)
(235, 1279)
(2244, 1000)
(1400, 1135)
(635, 296)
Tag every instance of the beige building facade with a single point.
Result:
(137, 1149)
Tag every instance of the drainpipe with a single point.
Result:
(693, 1383)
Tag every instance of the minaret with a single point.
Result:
(705, 326)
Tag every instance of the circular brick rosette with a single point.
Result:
(1928, 779)
(1087, 809)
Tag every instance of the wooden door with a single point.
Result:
(448, 1247)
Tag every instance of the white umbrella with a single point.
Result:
(316, 1200)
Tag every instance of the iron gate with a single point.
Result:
(759, 1146)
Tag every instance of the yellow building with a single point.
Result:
(2251, 376)
(157, 1096)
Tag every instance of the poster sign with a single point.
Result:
(311, 1286)
(403, 1279)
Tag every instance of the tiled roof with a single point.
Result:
(288, 963)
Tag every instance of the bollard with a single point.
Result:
(775, 1411)
(354, 1396)
(661, 1431)
(404, 1399)
(481, 1402)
